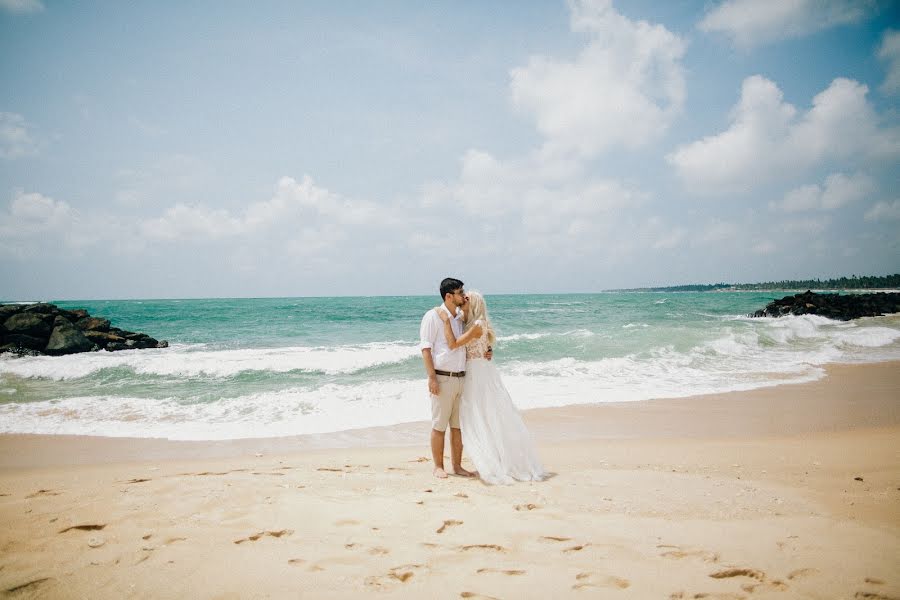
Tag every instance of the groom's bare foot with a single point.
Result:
(440, 473)
(462, 472)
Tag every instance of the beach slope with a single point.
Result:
(784, 492)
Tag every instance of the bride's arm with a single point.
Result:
(452, 340)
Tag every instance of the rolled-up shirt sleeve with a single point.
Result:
(428, 331)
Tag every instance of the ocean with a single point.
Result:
(270, 367)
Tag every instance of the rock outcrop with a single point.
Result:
(842, 307)
(47, 329)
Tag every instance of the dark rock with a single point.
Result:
(8, 310)
(841, 307)
(102, 338)
(22, 341)
(46, 329)
(42, 309)
(35, 324)
(93, 323)
(67, 339)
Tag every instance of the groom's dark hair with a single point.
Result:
(450, 285)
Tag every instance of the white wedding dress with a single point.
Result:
(494, 436)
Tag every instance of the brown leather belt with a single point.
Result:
(449, 374)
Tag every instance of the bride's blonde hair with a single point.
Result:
(478, 310)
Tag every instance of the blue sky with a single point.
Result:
(160, 150)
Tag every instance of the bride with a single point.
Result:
(493, 433)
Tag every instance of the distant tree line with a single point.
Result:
(854, 282)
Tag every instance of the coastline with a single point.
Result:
(786, 491)
(816, 406)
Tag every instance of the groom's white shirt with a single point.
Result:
(431, 335)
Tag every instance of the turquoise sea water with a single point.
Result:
(240, 368)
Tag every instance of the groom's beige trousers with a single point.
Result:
(445, 406)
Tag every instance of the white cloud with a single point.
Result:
(889, 52)
(806, 226)
(22, 6)
(532, 195)
(769, 139)
(295, 206)
(662, 236)
(623, 89)
(754, 22)
(884, 211)
(839, 190)
(16, 139)
(35, 222)
(718, 231)
(198, 223)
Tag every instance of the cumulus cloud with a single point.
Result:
(623, 89)
(753, 22)
(22, 6)
(530, 194)
(884, 211)
(838, 190)
(182, 222)
(769, 137)
(16, 139)
(34, 221)
(889, 52)
(295, 204)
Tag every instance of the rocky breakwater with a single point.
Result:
(842, 307)
(36, 329)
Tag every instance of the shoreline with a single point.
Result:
(763, 413)
(782, 492)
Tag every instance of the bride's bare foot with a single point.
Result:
(462, 472)
(440, 473)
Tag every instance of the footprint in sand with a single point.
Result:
(775, 585)
(708, 596)
(395, 576)
(448, 523)
(677, 552)
(262, 534)
(801, 573)
(739, 572)
(31, 586)
(577, 548)
(376, 550)
(592, 580)
(40, 493)
(500, 571)
(90, 527)
(554, 538)
(491, 547)
(476, 596)
(346, 522)
(529, 506)
(873, 596)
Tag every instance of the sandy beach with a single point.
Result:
(783, 492)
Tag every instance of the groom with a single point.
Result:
(446, 369)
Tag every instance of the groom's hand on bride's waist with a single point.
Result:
(490, 353)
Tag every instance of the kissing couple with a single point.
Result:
(468, 395)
